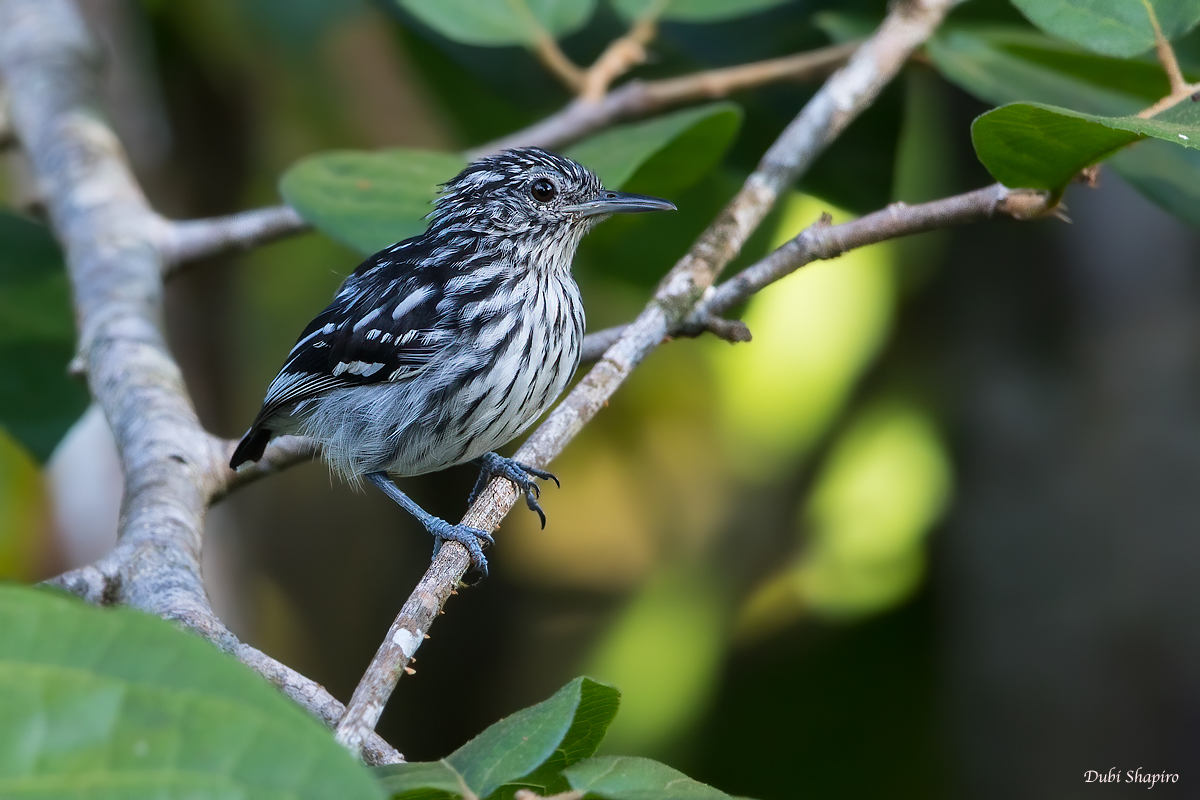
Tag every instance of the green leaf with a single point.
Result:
(38, 400)
(368, 200)
(595, 711)
(666, 154)
(1119, 28)
(1043, 147)
(693, 10)
(106, 703)
(1001, 64)
(1004, 65)
(1168, 175)
(629, 778)
(840, 27)
(421, 780)
(494, 23)
(529, 748)
(521, 743)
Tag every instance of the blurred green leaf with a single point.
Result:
(528, 748)
(368, 200)
(298, 24)
(1167, 174)
(501, 22)
(1002, 64)
(1113, 27)
(113, 703)
(693, 10)
(840, 27)
(38, 400)
(421, 780)
(666, 154)
(1044, 147)
(629, 778)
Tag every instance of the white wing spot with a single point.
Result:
(367, 319)
(357, 368)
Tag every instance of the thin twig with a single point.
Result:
(551, 55)
(1166, 53)
(621, 55)
(189, 240)
(821, 240)
(1180, 88)
(843, 97)
(637, 99)
(171, 466)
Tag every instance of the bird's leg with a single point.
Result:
(441, 530)
(492, 465)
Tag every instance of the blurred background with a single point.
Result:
(934, 533)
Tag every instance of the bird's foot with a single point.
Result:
(441, 530)
(492, 465)
(465, 535)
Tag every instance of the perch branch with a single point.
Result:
(844, 96)
(109, 235)
(641, 98)
(190, 240)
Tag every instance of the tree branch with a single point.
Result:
(621, 55)
(183, 241)
(821, 240)
(842, 97)
(641, 98)
(109, 234)
(189, 240)
(551, 55)
(1180, 88)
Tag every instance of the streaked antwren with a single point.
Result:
(443, 347)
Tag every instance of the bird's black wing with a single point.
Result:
(383, 325)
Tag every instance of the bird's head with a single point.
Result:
(530, 192)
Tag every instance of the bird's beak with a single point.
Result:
(620, 203)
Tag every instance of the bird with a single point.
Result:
(442, 348)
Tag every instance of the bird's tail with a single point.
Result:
(251, 447)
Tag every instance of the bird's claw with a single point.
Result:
(465, 535)
(492, 465)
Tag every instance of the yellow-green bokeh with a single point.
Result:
(23, 510)
(814, 334)
(884, 486)
(663, 652)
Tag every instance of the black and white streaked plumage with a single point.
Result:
(445, 346)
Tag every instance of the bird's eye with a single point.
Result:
(543, 190)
